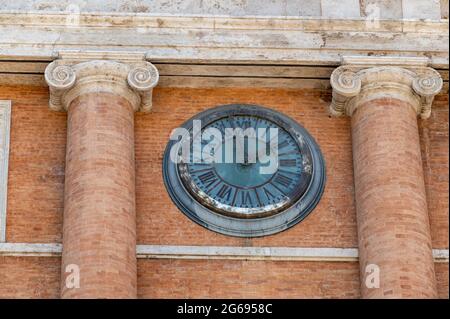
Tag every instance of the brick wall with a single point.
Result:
(256, 279)
(36, 167)
(29, 277)
(435, 152)
(441, 270)
(39, 277)
(246, 279)
(36, 177)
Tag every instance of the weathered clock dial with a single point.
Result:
(262, 179)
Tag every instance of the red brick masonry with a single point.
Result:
(391, 203)
(99, 229)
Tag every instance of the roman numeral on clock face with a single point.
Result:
(225, 192)
(283, 180)
(246, 199)
(208, 178)
(288, 162)
(283, 144)
(268, 193)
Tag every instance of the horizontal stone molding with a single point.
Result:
(281, 8)
(361, 79)
(30, 249)
(213, 252)
(180, 20)
(247, 253)
(247, 40)
(186, 75)
(392, 9)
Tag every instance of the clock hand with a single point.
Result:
(252, 157)
(240, 148)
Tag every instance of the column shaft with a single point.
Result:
(393, 226)
(99, 232)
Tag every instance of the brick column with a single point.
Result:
(99, 230)
(393, 227)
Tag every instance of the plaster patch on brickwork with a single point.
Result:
(213, 252)
(5, 120)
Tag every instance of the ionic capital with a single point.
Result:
(363, 79)
(132, 80)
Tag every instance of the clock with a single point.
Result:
(244, 170)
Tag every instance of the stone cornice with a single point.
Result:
(220, 39)
(361, 79)
(76, 73)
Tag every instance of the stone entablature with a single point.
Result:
(361, 79)
(220, 39)
(74, 74)
(385, 9)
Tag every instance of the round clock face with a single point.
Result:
(244, 170)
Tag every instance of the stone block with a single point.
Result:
(343, 9)
(422, 9)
